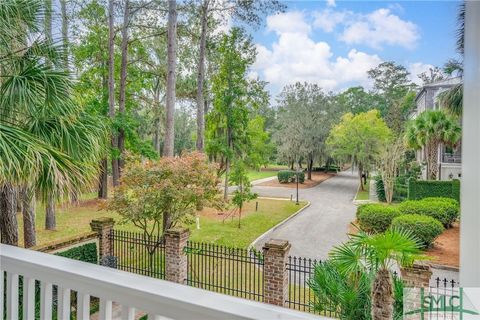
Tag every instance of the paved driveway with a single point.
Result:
(324, 224)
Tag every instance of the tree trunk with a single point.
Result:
(382, 296)
(157, 122)
(200, 78)
(103, 181)
(123, 83)
(63, 9)
(28, 215)
(310, 168)
(8, 219)
(50, 223)
(360, 172)
(432, 166)
(168, 147)
(227, 172)
(111, 88)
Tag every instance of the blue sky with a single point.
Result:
(333, 43)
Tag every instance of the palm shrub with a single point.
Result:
(426, 229)
(377, 254)
(347, 295)
(375, 217)
(50, 146)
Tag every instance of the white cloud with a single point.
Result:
(295, 56)
(331, 3)
(417, 68)
(328, 19)
(288, 22)
(381, 27)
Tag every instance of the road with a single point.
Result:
(323, 225)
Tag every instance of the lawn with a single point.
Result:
(270, 212)
(365, 194)
(75, 220)
(256, 175)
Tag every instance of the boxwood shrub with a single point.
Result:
(376, 217)
(286, 176)
(86, 253)
(426, 229)
(441, 209)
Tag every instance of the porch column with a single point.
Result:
(470, 185)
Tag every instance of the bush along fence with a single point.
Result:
(419, 189)
(271, 276)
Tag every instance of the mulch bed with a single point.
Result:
(446, 249)
(317, 178)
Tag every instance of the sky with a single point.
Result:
(334, 43)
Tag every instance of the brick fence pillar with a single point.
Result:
(103, 227)
(417, 276)
(175, 257)
(275, 273)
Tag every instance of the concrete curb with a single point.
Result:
(275, 227)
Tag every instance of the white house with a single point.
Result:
(449, 159)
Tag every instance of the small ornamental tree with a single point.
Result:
(157, 195)
(243, 191)
(360, 138)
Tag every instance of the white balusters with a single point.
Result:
(12, 295)
(105, 309)
(83, 306)
(28, 298)
(63, 307)
(45, 300)
(128, 313)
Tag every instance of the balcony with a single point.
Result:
(157, 298)
(452, 158)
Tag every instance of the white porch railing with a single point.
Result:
(157, 298)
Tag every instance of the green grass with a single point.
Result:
(365, 194)
(72, 221)
(270, 212)
(256, 175)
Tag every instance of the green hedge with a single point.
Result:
(426, 229)
(419, 189)
(376, 217)
(443, 210)
(286, 176)
(86, 253)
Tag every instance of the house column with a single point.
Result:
(470, 185)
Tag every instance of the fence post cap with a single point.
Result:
(177, 232)
(277, 244)
(99, 223)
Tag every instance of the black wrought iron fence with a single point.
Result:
(138, 254)
(300, 295)
(232, 271)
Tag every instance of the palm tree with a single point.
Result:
(431, 129)
(453, 99)
(377, 254)
(47, 142)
